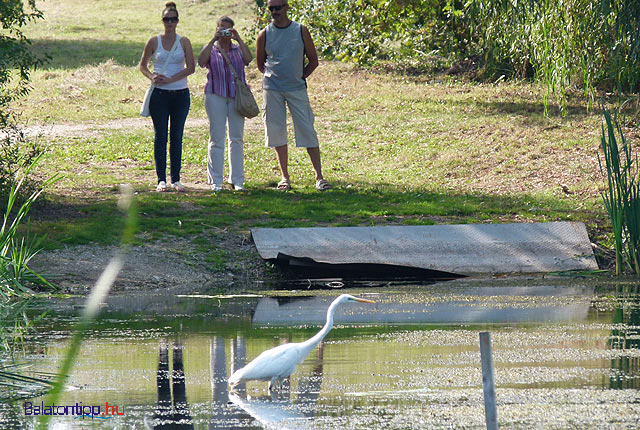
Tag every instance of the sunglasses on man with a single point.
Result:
(170, 19)
(272, 8)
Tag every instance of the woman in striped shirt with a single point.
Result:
(219, 102)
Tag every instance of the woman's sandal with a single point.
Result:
(323, 185)
(284, 185)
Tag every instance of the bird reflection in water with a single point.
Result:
(168, 414)
(237, 410)
(224, 415)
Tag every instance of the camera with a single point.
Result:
(225, 32)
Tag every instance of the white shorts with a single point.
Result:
(274, 115)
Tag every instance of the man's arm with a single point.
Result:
(310, 52)
(261, 54)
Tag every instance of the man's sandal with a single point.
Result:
(323, 185)
(284, 185)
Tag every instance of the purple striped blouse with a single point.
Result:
(219, 77)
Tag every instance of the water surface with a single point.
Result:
(566, 355)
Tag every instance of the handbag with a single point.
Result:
(245, 102)
(144, 110)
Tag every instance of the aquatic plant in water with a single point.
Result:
(622, 197)
(16, 252)
(17, 382)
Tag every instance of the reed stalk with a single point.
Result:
(16, 385)
(97, 296)
(622, 197)
(15, 252)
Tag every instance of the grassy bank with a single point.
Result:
(399, 149)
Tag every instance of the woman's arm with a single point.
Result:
(203, 58)
(189, 62)
(147, 53)
(244, 49)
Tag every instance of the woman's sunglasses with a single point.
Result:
(272, 8)
(170, 19)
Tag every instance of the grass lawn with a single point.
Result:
(398, 149)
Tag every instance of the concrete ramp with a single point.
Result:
(459, 249)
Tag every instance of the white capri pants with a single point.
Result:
(274, 115)
(222, 110)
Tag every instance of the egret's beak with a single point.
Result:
(363, 300)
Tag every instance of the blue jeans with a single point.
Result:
(165, 105)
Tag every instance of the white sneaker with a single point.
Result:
(238, 187)
(215, 188)
(178, 187)
(162, 187)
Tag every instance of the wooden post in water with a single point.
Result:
(488, 384)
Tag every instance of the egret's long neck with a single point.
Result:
(308, 345)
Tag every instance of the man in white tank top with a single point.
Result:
(280, 51)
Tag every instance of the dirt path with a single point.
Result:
(92, 129)
(154, 265)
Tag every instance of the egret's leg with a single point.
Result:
(272, 385)
(232, 387)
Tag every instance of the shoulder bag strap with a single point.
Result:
(224, 54)
(174, 48)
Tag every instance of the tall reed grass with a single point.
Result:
(622, 197)
(92, 307)
(16, 250)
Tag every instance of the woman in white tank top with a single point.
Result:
(172, 62)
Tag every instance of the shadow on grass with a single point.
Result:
(574, 110)
(196, 213)
(73, 54)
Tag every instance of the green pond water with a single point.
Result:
(566, 356)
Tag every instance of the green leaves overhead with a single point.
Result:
(16, 60)
(587, 44)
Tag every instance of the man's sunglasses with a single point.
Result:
(170, 19)
(272, 8)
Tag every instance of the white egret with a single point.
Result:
(277, 363)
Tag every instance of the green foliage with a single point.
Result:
(564, 44)
(16, 154)
(17, 60)
(16, 63)
(586, 43)
(622, 198)
(363, 31)
(16, 252)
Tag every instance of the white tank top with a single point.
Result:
(175, 66)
